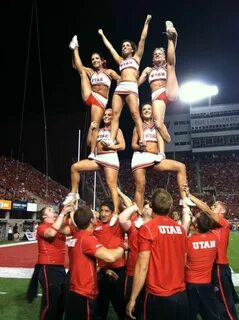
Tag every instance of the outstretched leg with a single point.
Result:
(85, 82)
(171, 89)
(180, 169)
(76, 169)
(96, 112)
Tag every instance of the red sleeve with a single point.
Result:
(188, 244)
(41, 229)
(131, 228)
(90, 245)
(144, 239)
(223, 222)
(72, 229)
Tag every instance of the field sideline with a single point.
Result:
(13, 305)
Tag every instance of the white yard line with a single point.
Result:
(18, 273)
(26, 273)
(17, 244)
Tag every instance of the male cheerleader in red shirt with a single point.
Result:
(202, 246)
(130, 223)
(81, 300)
(161, 262)
(111, 275)
(51, 258)
(221, 275)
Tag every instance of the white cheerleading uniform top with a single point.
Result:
(129, 63)
(104, 133)
(159, 73)
(100, 78)
(149, 133)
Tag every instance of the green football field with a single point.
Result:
(13, 305)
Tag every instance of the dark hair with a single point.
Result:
(102, 58)
(41, 214)
(147, 202)
(174, 210)
(107, 203)
(82, 217)
(145, 103)
(162, 202)
(133, 45)
(203, 222)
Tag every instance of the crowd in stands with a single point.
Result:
(20, 181)
(219, 178)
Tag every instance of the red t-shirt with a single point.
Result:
(111, 238)
(133, 247)
(50, 251)
(201, 254)
(83, 276)
(166, 240)
(70, 242)
(223, 234)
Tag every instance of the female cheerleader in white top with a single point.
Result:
(95, 86)
(106, 159)
(149, 158)
(127, 88)
(163, 82)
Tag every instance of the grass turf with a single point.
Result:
(13, 305)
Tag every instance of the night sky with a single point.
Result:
(207, 50)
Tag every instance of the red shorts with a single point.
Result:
(97, 100)
(163, 97)
(160, 94)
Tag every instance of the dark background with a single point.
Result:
(207, 50)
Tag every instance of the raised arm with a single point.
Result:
(126, 200)
(114, 75)
(124, 217)
(109, 46)
(140, 50)
(144, 76)
(56, 226)
(186, 218)
(202, 205)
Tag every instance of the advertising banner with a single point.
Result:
(32, 207)
(5, 204)
(19, 206)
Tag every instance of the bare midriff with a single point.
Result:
(151, 147)
(129, 74)
(157, 84)
(101, 89)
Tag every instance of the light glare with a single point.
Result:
(195, 91)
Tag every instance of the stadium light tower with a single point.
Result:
(195, 91)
